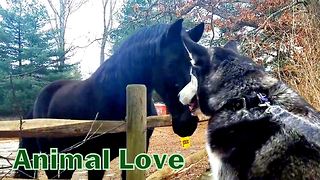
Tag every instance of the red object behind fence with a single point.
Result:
(161, 108)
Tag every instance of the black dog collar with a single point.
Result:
(260, 100)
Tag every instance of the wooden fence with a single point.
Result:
(136, 109)
(135, 125)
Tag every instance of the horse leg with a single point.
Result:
(98, 174)
(114, 151)
(95, 174)
(45, 144)
(54, 174)
(30, 144)
(149, 134)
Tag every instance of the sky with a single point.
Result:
(84, 26)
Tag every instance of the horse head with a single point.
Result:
(177, 52)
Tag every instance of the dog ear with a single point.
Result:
(222, 54)
(232, 45)
(228, 52)
(196, 32)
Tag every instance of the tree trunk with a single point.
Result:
(19, 37)
(106, 26)
(62, 23)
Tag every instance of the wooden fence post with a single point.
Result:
(136, 126)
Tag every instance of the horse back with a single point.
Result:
(42, 103)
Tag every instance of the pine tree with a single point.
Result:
(28, 55)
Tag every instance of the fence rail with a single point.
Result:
(69, 128)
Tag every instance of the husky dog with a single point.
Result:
(259, 127)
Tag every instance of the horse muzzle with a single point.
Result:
(184, 124)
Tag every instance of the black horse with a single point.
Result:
(157, 56)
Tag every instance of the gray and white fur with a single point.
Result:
(251, 139)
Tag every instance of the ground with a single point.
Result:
(162, 141)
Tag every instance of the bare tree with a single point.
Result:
(61, 14)
(107, 25)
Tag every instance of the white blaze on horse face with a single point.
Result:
(190, 90)
(193, 62)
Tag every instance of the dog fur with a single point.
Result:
(275, 139)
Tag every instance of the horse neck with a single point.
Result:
(118, 72)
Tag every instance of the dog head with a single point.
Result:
(229, 76)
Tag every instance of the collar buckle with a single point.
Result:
(244, 103)
(264, 101)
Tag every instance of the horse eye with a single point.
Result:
(195, 64)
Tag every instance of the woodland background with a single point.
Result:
(281, 35)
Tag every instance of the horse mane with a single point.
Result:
(139, 48)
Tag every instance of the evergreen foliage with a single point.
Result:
(28, 55)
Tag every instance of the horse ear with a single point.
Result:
(174, 30)
(232, 44)
(196, 32)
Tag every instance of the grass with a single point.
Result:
(303, 72)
